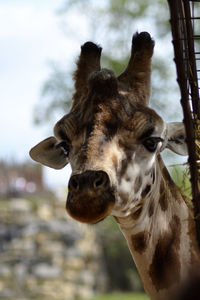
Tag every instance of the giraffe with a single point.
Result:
(113, 142)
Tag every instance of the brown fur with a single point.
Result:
(165, 267)
(88, 62)
(124, 166)
(163, 197)
(137, 184)
(151, 209)
(139, 242)
(137, 213)
(146, 190)
(139, 68)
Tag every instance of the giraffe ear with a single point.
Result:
(50, 153)
(176, 138)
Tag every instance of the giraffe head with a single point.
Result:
(110, 137)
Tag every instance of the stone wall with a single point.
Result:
(46, 255)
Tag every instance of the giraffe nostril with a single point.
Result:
(100, 181)
(74, 184)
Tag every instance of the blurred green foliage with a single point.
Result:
(181, 176)
(119, 265)
(112, 24)
(124, 296)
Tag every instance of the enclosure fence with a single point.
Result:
(185, 26)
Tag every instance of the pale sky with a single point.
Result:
(30, 37)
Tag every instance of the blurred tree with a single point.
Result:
(181, 176)
(112, 24)
(118, 263)
(56, 95)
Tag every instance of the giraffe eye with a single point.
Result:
(151, 143)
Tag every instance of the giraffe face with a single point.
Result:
(110, 137)
(112, 155)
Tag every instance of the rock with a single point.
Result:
(83, 292)
(20, 271)
(53, 248)
(30, 229)
(73, 252)
(45, 271)
(61, 226)
(7, 234)
(7, 294)
(44, 254)
(23, 246)
(75, 263)
(86, 277)
(20, 205)
(45, 212)
(5, 271)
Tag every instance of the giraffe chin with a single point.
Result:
(89, 210)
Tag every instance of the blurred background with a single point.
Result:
(44, 254)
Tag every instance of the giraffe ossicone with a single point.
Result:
(113, 141)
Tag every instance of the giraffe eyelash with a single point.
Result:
(151, 143)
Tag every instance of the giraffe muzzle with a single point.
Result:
(90, 196)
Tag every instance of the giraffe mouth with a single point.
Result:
(90, 197)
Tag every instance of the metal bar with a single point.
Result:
(182, 38)
(192, 18)
(193, 71)
(192, 38)
(195, 104)
(187, 58)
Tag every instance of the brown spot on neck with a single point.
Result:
(151, 209)
(150, 172)
(165, 267)
(115, 162)
(137, 184)
(165, 173)
(195, 255)
(153, 175)
(176, 194)
(163, 201)
(137, 213)
(190, 289)
(139, 242)
(124, 196)
(146, 190)
(127, 178)
(124, 166)
(167, 177)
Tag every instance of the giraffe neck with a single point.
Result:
(161, 238)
